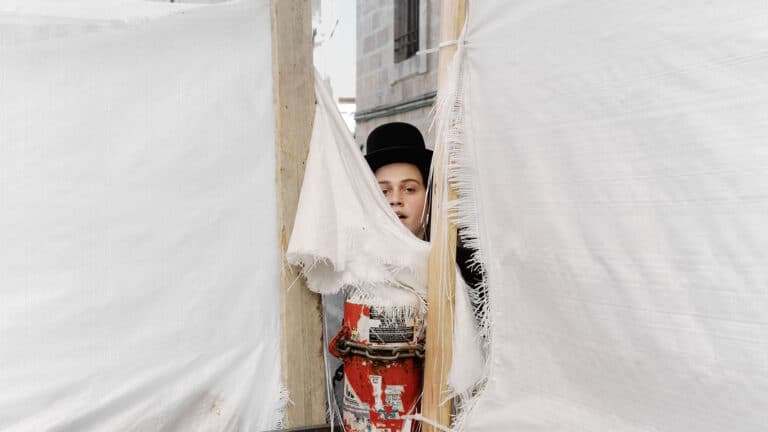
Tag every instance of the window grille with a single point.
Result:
(406, 29)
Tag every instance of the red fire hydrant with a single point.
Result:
(382, 350)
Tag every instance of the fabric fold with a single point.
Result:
(345, 234)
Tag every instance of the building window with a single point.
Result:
(406, 29)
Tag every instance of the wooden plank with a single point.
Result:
(294, 107)
(442, 272)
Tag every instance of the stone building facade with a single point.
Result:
(388, 90)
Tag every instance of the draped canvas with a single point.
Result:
(345, 234)
(139, 258)
(617, 157)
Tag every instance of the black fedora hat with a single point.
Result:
(398, 142)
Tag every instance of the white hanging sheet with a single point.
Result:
(102, 10)
(345, 233)
(618, 162)
(138, 247)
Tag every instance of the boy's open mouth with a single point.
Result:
(400, 215)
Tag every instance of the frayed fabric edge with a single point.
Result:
(278, 419)
(449, 120)
(323, 277)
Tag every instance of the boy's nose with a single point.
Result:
(394, 199)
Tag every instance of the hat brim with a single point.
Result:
(422, 158)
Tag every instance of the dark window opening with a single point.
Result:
(406, 29)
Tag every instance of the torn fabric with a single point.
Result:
(345, 233)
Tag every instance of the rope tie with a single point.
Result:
(437, 48)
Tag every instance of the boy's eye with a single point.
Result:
(385, 191)
(410, 190)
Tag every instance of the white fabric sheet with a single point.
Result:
(138, 247)
(619, 163)
(345, 233)
(107, 10)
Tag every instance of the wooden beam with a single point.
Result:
(294, 108)
(442, 259)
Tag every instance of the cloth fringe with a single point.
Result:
(278, 419)
(448, 126)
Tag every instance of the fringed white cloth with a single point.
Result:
(616, 155)
(139, 267)
(345, 233)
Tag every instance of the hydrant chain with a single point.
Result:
(345, 347)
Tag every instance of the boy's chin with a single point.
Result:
(418, 232)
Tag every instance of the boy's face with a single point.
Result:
(404, 189)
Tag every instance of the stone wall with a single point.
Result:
(388, 91)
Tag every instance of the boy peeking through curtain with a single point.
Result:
(382, 338)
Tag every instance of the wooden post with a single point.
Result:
(442, 259)
(294, 108)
